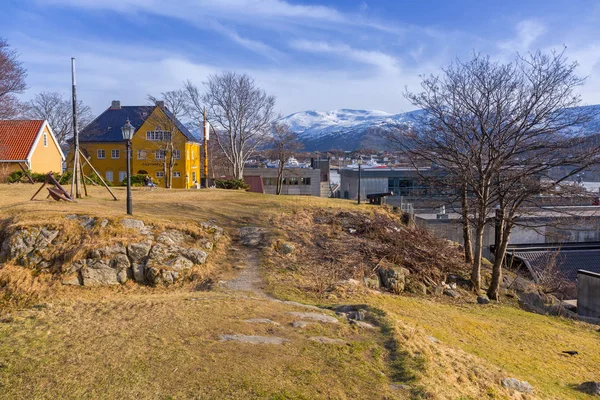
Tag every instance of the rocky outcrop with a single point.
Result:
(159, 257)
(393, 278)
(517, 385)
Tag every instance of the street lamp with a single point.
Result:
(359, 168)
(128, 130)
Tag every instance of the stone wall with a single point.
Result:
(142, 253)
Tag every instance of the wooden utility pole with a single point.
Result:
(205, 149)
(76, 161)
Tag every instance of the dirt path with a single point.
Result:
(249, 279)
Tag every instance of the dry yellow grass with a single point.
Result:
(141, 342)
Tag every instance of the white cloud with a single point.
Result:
(384, 61)
(528, 32)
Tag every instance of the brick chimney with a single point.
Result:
(115, 105)
(160, 103)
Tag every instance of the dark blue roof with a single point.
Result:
(107, 126)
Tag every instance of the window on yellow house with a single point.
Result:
(114, 154)
(160, 154)
(160, 174)
(157, 136)
(101, 154)
(193, 176)
(176, 174)
(176, 154)
(109, 175)
(45, 139)
(141, 154)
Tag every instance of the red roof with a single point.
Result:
(17, 138)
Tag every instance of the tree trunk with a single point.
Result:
(279, 178)
(476, 270)
(468, 246)
(500, 253)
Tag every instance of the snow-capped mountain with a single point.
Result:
(346, 129)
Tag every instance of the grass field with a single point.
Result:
(142, 342)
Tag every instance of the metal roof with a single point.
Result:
(107, 126)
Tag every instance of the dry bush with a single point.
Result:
(333, 245)
(22, 287)
(551, 280)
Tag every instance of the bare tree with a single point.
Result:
(283, 145)
(499, 129)
(58, 111)
(12, 81)
(241, 113)
(172, 104)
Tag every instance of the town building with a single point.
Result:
(162, 146)
(29, 145)
(311, 181)
(407, 182)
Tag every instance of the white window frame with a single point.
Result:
(193, 176)
(112, 176)
(101, 154)
(177, 154)
(45, 139)
(113, 152)
(160, 174)
(160, 154)
(141, 154)
(158, 136)
(176, 174)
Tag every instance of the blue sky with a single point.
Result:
(311, 54)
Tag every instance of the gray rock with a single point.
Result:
(433, 339)
(517, 385)
(372, 283)
(76, 266)
(74, 280)
(195, 255)
(592, 388)
(138, 252)
(121, 264)
(483, 299)
(326, 340)
(393, 278)
(300, 324)
(104, 223)
(315, 317)
(131, 223)
(138, 272)
(214, 230)
(358, 315)
(296, 304)
(286, 248)
(29, 246)
(261, 321)
(99, 273)
(362, 324)
(87, 222)
(156, 276)
(108, 251)
(251, 236)
(173, 237)
(253, 339)
(452, 293)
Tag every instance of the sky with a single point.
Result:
(310, 54)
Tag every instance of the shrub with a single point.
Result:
(15, 177)
(136, 180)
(235, 184)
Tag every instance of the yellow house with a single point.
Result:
(162, 146)
(29, 145)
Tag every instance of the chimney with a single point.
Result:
(160, 103)
(115, 105)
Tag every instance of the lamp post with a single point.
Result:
(128, 130)
(359, 170)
